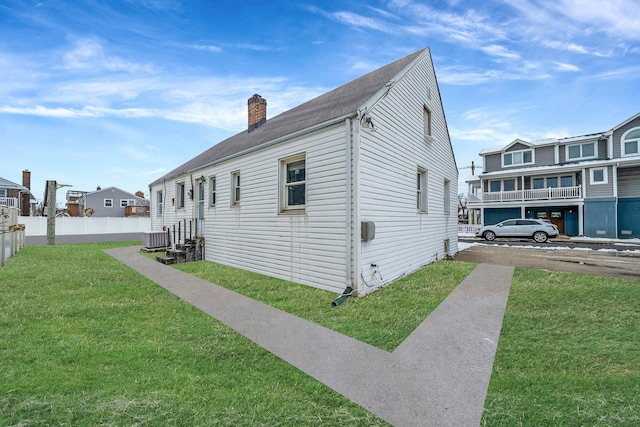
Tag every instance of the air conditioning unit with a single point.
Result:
(155, 239)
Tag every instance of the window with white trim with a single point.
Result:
(235, 188)
(127, 202)
(212, 191)
(421, 190)
(581, 151)
(180, 195)
(630, 142)
(495, 186)
(599, 176)
(108, 203)
(516, 158)
(293, 183)
(159, 199)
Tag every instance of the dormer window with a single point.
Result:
(630, 142)
(516, 158)
(581, 151)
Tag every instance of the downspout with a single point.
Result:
(348, 218)
(357, 246)
(349, 201)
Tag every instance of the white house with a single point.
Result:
(355, 188)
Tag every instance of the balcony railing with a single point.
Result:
(11, 202)
(526, 195)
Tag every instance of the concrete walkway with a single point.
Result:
(437, 377)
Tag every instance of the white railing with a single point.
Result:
(521, 195)
(11, 233)
(11, 202)
(468, 228)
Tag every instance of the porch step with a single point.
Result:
(165, 259)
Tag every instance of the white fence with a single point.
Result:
(37, 225)
(468, 229)
(11, 233)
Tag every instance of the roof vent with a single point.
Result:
(257, 111)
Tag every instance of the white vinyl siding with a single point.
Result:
(387, 174)
(309, 248)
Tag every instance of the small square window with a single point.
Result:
(108, 203)
(599, 176)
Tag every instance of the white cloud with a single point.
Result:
(210, 48)
(616, 17)
(561, 66)
(88, 54)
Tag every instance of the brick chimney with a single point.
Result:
(257, 111)
(140, 194)
(25, 198)
(26, 178)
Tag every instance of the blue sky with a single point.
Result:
(116, 93)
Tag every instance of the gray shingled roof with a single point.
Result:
(10, 185)
(331, 105)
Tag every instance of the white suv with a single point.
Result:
(537, 229)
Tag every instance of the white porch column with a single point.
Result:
(581, 220)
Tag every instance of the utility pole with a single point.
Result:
(52, 186)
(50, 204)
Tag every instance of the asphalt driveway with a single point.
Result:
(613, 263)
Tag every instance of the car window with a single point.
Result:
(527, 222)
(511, 222)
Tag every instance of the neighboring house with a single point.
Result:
(18, 196)
(355, 188)
(106, 202)
(587, 185)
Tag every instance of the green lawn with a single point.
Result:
(569, 353)
(86, 341)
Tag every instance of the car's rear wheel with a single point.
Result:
(540, 236)
(489, 235)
